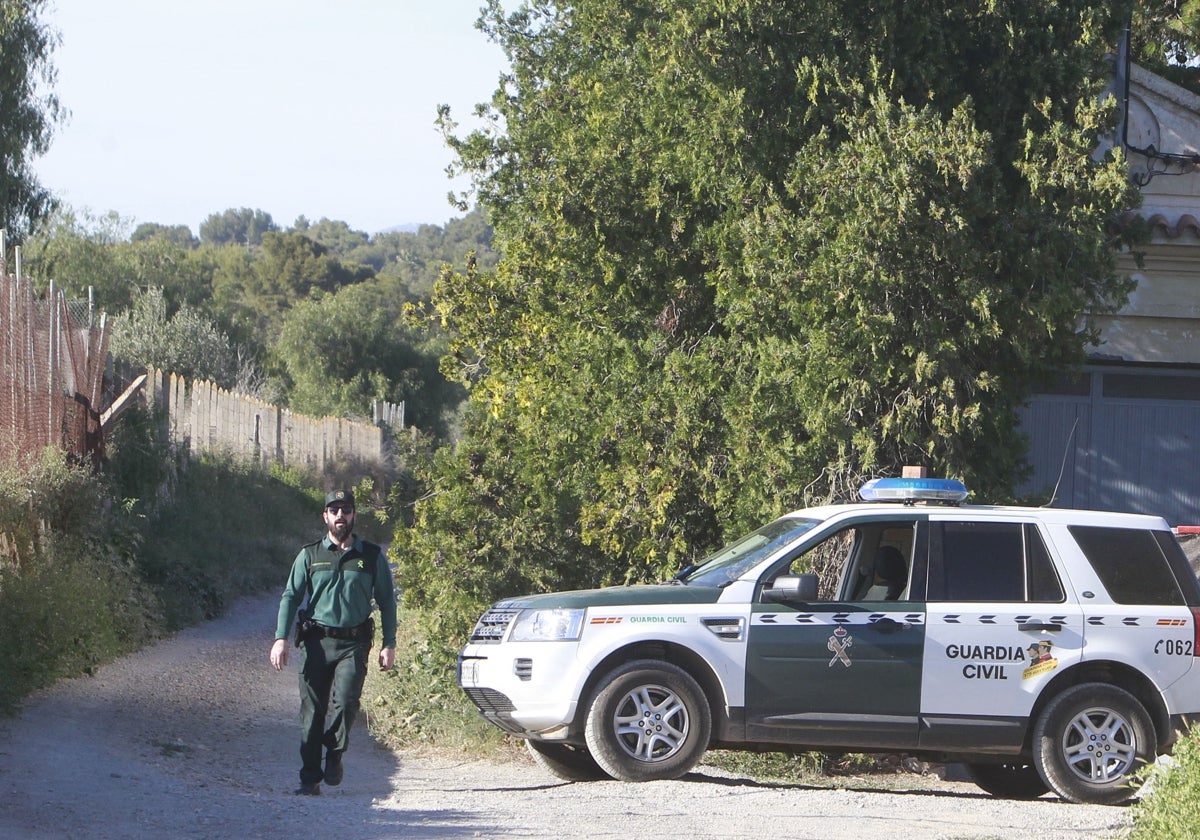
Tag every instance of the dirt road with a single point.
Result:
(197, 738)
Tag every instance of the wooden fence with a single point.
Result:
(204, 418)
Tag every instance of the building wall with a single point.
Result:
(1125, 434)
(1160, 324)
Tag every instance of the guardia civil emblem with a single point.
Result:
(839, 644)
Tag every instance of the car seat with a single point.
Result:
(891, 575)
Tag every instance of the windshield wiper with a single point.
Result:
(684, 572)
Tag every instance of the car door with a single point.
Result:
(999, 627)
(845, 671)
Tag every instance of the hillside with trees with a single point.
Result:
(316, 316)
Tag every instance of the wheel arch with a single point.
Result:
(679, 655)
(1116, 674)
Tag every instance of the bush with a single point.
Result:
(69, 588)
(1170, 806)
(93, 566)
(415, 705)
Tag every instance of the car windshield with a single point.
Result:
(732, 561)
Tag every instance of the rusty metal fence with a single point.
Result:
(52, 356)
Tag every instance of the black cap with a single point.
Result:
(340, 496)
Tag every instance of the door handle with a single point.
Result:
(1040, 625)
(888, 625)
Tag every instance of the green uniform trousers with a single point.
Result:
(331, 681)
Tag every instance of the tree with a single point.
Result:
(180, 235)
(412, 262)
(185, 342)
(29, 111)
(253, 290)
(236, 227)
(754, 252)
(79, 252)
(1167, 39)
(337, 236)
(341, 351)
(82, 252)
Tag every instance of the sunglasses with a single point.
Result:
(340, 508)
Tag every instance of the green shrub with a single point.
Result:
(69, 587)
(140, 464)
(1170, 806)
(89, 572)
(418, 705)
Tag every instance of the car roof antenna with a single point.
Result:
(1062, 467)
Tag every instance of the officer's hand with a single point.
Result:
(387, 658)
(279, 654)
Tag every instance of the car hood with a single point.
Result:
(616, 596)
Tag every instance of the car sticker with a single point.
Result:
(836, 619)
(839, 643)
(1041, 659)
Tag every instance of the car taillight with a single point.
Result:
(1195, 631)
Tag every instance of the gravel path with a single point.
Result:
(197, 737)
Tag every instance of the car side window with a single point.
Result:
(826, 560)
(1130, 564)
(868, 561)
(991, 561)
(1044, 585)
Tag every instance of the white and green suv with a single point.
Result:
(1046, 649)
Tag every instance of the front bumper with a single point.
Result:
(527, 689)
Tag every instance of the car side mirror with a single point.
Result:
(791, 588)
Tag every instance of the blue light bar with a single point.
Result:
(910, 490)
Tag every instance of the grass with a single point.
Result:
(88, 574)
(413, 707)
(1170, 809)
(819, 769)
(230, 530)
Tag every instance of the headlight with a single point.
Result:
(547, 626)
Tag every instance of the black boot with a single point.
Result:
(333, 767)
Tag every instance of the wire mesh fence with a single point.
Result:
(52, 355)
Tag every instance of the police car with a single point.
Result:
(1047, 649)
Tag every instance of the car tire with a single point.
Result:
(566, 761)
(648, 720)
(1012, 780)
(1090, 741)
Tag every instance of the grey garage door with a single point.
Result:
(1122, 439)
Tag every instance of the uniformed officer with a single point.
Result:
(340, 575)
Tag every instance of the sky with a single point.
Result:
(185, 108)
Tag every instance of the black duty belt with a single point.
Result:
(367, 628)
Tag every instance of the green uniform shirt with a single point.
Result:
(342, 590)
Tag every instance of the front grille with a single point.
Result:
(495, 707)
(490, 701)
(492, 625)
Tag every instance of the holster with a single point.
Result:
(304, 626)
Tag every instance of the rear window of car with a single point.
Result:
(1130, 564)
